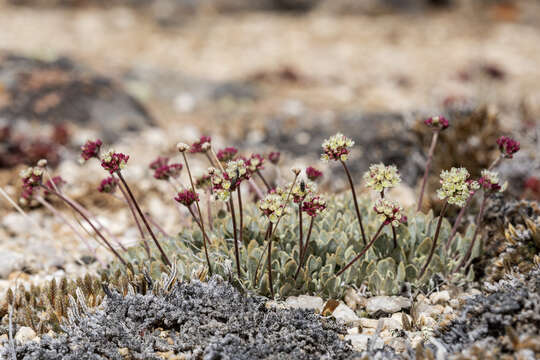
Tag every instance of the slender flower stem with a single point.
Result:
(394, 236)
(256, 188)
(270, 282)
(301, 233)
(355, 201)
(276, 225)
(236, 251)
(268, 188)
(304, 250)
(475, 235)
(61, 216)
(205, 237)
(216, 159)
(241, 213)
(68, 202)
(435, 238)
(457, 222)
(134, 214)
(428, 166)
(366, 248)
(156, 225)
(496, 162)
(209, 210)
(139, 211)
(209, 159)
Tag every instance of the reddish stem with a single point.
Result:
(355, 201)
(428, 166)
(236, 251)
(304, 250)
(435, 238)
(270, 282)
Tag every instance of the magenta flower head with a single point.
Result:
(314, 205)
(187, 197)
(201, 146)
(508, 146)
(255, 162)
(313, 174)
(227, 154)
(90, 150)
(159, 162)
(274, 157)
(108, 185)
(56, 183)
(168, 171)
(490, 182)
(437, 122)
(113, 161)
(31, 178)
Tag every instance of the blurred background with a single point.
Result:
(262, 75)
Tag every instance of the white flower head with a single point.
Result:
(380, 177)
(336, 148)
(456, 188)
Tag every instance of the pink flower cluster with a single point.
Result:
(108, 185)
(56, 183)
(187, 197)
(255, 162)
(163, 170)
(227, 154)
(313, 206)
(91, 149)
(439, 122)
(508, 146)
(274, 156)
(114, 162)
(31, 178)
(313, 174)
(201, 146)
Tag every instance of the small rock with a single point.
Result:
(353, 300)
(429, 310)
(454, 303)
(25, 334)
(345, 313)
(427, 321)
(440, 297)
(369, 323)
(392, 324)
(305, 302)
(387, 304)
(358, 341)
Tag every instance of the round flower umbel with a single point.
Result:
(227, 154)
(456, 188)
(221, 184)
(201, 146)
(380, 177)
(159, 162)
(31, 178)
(237, 171)
(255, 162)
(314, 205)
(490, 182)
(301, 190)
(187, 197)
(274, 157)
(508, 146)
(113, 161)
(313, 174)
(336, 148)
(108, 185)
(90, 150)
(168, 171)
(273, 206)
(390, 212)
(437, 122)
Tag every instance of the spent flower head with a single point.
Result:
(201, 146)
(90, 150)
(390, 212)
(336, 148)
(187, 197)
(108, 185)
(490, 181)
(380, 177)
(456, 187)
(437, 122)
(227, 154)
(182, 147)
(273, 206)
(313, 174)
(314, 205)
(508, 146)
(274, 156)
(114, 161)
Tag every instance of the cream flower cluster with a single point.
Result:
(456, 187)
(336, 148)
(273, 206)
(390, 212)
(301, 190)
(237, 169)
(380, 177)
(221, 185)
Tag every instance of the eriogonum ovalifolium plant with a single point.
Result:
(290, 238)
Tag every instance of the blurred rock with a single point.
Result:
(387, 304)
(61, 91)
(11, 261)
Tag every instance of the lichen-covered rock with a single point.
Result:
(199, 320)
